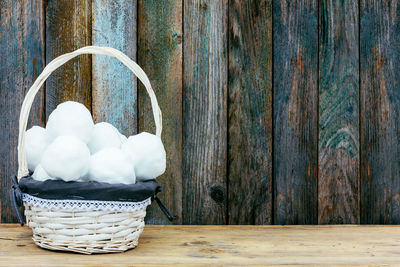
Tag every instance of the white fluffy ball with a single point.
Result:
(40, 174)
(66, 158)
(123, 139)
(147, 155)
(70, 118)
(111, 165)
(104, 135)
(36, 141)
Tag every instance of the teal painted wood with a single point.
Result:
(338, 189)
(296, 112)
(380, 112)
(22, 60)
(250, 112)
(160, 55)
(113, 84)
(205, 112)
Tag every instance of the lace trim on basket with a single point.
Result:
(84, 205)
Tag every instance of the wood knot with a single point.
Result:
(217, 193)
(177, 38)
(203, 6)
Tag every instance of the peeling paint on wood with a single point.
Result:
(296, 112)
(338, 190)
(160, 55)
(22, 59)
(250, 112)
(113, 84)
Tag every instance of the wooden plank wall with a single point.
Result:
(275, 111)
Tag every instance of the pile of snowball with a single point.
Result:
(73, 148)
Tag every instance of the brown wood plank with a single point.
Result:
(223, 245)
(160, 55)
(113, 84)
(205, 112)
(22, 57)
(296, 112)
(338, 189)
(380, 111)
(250, 112)
(68, 27)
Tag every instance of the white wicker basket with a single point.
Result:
(83, 226)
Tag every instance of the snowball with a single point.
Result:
(147, 155)
(66, 158)
(36, 141)
(111, 165)
(70, 118)
(40, 174)
(104, 135)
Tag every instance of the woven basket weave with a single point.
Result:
(85, 230)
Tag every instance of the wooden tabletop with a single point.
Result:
(222, 245)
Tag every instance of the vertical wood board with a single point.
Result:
(296, 112)
(338, 188)
(113, 84)
(380, 112)
(205, 112)
(22, 57)
(250, 112)
(68, 27)
(160, 55)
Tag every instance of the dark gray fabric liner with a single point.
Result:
(58, 189)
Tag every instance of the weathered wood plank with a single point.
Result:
(68, 27)
(296, 112)
(380, 111)
(205, 112)
(113, 84)
(160, 55)
(250, 112)
(22, 57)
(338, 186)
(223, 246)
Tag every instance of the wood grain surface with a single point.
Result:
(22, 60)
(380, 111)
(296, 112)
(338, 188)
(250, 112)
(205, 112)
(113, 84)
(160, 55)
(223, 246)
(68, 27)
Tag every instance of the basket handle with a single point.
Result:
(59, 61)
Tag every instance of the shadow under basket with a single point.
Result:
(85, 217)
